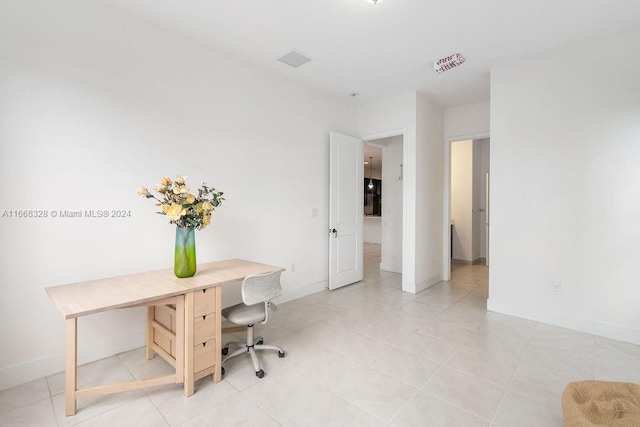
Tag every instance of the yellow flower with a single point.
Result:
(183, 208)
(174, 211)
(180, 189)
(206, 220)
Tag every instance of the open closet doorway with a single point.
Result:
(383, 201)
(469, 203)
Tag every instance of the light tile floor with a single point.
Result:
(363, 355)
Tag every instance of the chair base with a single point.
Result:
(251, 346)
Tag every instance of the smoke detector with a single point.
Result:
(448, 62)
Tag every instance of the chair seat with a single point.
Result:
(257, 292)
(247, 314)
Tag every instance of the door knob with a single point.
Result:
(334, 231)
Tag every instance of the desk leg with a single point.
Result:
(180, 376)
(217, 374)
(188, 344)
(150, 317)
(71, 383)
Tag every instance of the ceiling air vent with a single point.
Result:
(294, 59)
(448, 62)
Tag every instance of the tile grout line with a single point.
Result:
(513, 375)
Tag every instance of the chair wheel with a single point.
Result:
(223, 371)
(225, 351)
(260, 373)
(281, 354)
(260, 341)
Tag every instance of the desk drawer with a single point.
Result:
(164, 328)
(204, 356)
(166, 316)
(165, 342)
(204, 302)
(204, 329)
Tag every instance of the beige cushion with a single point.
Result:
(601, 403)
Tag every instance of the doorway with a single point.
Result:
(468, 204)
(383, 199)
(346, 203)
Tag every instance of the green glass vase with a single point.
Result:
(185, 258)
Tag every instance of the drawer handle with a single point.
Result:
(204, 344)
(204, 317)
(204, 291)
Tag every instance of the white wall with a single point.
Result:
(391, 252)
(372, 229)
(429, 194)
(462, 154)
(420, 122)
(93, 103)
(565, 132)
(468, 120)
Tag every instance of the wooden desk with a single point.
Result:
(159, 290)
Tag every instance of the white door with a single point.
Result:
(486, 219)
(346, 205)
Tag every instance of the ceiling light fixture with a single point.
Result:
(374, 1)
(370, 186)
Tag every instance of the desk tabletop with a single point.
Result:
(94, 296)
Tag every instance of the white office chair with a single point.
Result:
(257, 293)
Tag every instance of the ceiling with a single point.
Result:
(379, 51)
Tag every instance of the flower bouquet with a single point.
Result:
(188, 212)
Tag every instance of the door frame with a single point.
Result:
(446, 202)
(403, 132)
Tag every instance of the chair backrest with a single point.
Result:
(261, 287)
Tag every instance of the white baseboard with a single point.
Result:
(576, 323)
(461, 261)
(303, 291)
(428, 283)
(394, 268)
(415, 288)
